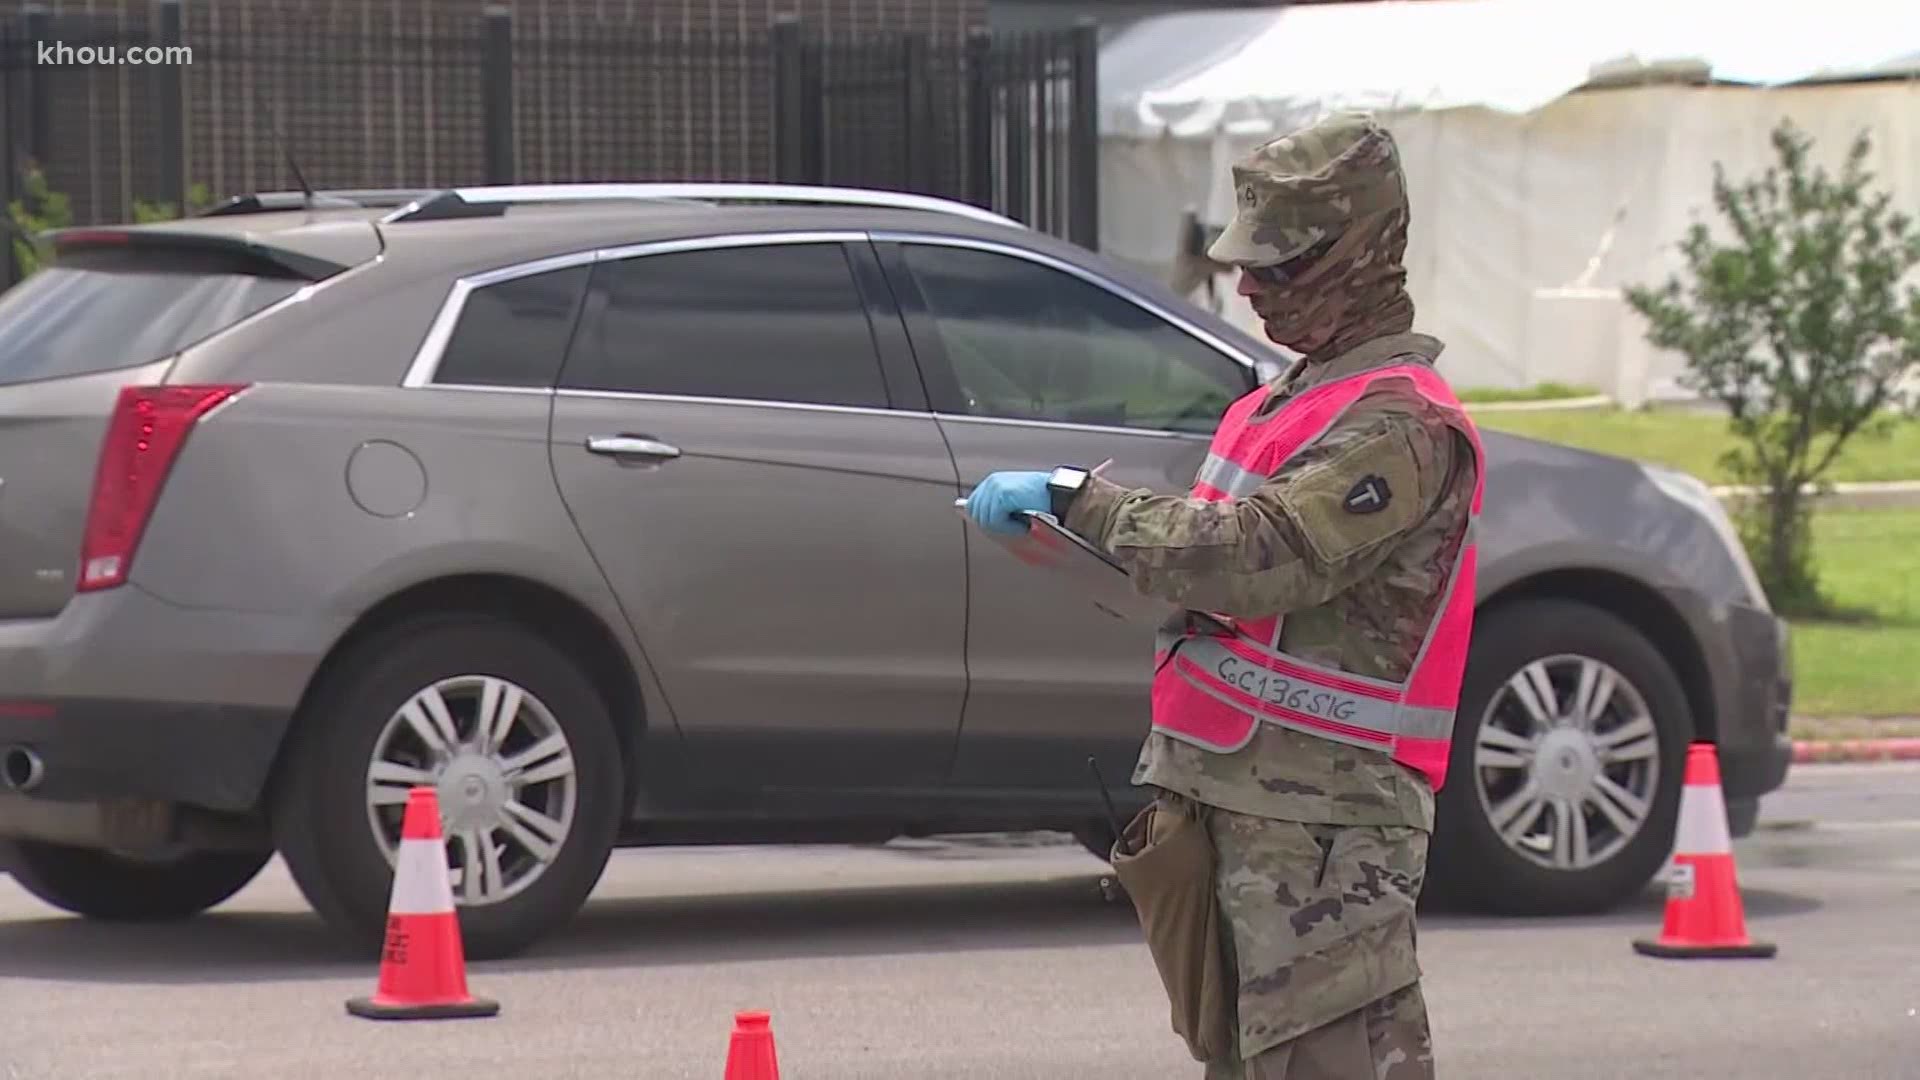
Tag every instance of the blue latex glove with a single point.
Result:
(1003, 494)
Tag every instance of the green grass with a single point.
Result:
(1546, 391)
(1694, 442)
(1868, 560)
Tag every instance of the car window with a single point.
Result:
(514, 332)
(1026, 341)
(776, 322)
(94, 312)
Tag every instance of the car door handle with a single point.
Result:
(632, 446)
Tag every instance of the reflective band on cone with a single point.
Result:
(1704, 917)
(423, 966)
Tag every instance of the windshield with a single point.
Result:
(97, 315)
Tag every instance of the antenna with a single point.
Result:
(286, 152)
(305, 188)
(1113, 816)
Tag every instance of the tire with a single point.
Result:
(116, 888)
(326, 830)
(1473, 864)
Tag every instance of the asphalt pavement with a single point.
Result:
(994, 957)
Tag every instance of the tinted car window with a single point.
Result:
(88, 314)
(782, 322)
(514, 332)
(1026, 341)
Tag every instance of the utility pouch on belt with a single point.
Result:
(1165, 861)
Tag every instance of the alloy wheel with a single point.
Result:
(1567, 762)
(504, 773)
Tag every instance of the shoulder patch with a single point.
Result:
(1369, 496)
(1364, 494)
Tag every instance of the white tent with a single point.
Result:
(1555, 150)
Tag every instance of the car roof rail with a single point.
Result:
(491, 201)
(261, 202)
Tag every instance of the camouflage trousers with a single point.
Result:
(1387, 1040)
(1320, 937)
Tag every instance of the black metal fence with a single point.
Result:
(1005, 122)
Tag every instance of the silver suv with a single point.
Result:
(623, 514)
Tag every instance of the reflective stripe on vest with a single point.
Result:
(1213, 690)
(1232, 480)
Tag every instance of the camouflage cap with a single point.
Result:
(1303, 188)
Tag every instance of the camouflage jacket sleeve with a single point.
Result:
(1292, 543)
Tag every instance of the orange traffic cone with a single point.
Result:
(750, 1053)
(423, 968)
(1704, 914)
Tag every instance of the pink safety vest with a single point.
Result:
(1220, 685)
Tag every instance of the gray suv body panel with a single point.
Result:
(1555, 513)
(49, 437)
(128, 697)
(811, 632)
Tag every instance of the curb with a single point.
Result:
(1856, 750)
(1865, 495)
(1594, 401)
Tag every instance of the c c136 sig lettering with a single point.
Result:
(1317, 702)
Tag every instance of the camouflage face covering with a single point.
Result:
(1321, 223)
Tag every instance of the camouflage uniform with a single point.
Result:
(1321, 846)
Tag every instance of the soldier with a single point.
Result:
(1309, 728)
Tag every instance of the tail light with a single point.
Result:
(144, 436)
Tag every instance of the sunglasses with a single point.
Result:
(1286, 272)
